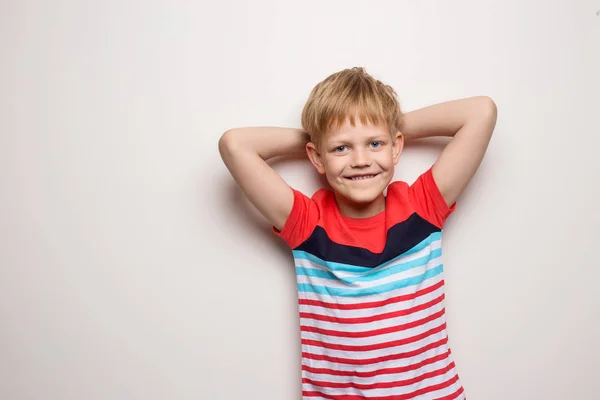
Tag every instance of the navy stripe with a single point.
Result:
(358, 270)
(400, 238)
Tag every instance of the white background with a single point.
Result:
(132, 267)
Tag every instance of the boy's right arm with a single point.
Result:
(244, 151)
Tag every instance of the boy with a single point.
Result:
(368, 265)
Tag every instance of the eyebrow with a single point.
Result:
(372, 138)
(378, 136)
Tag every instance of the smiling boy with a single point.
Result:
(368, 260)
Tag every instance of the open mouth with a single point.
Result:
(361, 177)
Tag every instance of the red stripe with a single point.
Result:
(380, 385)
(373, 332)
(367, 361)
(384, 371)
(452, 396)
(373, 304)
(376, 346)
(406, 396)
(372, 318)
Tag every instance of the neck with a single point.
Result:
(360, 210)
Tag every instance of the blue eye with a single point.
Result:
(339, 149)
(377, 144)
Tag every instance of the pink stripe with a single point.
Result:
(406, 396)
(374, 332)
(380, 385)
(367, 361)
(379, 317)
(379, 372)
(452, 396)
(377, 346)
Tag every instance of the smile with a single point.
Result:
(362, 177)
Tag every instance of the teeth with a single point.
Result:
(359, 178)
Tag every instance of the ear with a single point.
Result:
(397, 146)
(315, 157)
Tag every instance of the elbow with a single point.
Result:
(490, 112)
(227, 139)
(226, 143)
(489, 106)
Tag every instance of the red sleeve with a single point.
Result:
(426, 198)
(301, 222)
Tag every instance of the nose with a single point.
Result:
(360, 158)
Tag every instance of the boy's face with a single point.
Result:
(358, 162)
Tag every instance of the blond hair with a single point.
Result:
(346, 94)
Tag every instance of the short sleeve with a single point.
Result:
(426, 198)
(301, 222)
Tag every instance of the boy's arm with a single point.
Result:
(244, 151)
(471, 122)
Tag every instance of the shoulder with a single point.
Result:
(305, 216)
(424, 197)
(397, 188)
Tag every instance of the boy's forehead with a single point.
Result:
(347, 129)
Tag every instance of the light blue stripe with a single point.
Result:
(334, 266)
(300, 270)
(415, 280)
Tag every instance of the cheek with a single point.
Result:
(335, 166)
(387, 161)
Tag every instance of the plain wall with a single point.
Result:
(131, 265)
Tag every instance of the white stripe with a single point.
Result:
(368, 312)
(337, 284)
(387, 391)
(379, 378)
(368, 326)
(365, 341)
(443, 392)
(399, 363)
(372, 297)
(363, 355)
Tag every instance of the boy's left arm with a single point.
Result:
(471, 122)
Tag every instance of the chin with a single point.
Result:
(365, 199)
(364, 196)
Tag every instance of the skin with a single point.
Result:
(469, 122)
(354, 151)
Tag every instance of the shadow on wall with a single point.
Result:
(255, 223)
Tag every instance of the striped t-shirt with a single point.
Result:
(371, 296)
